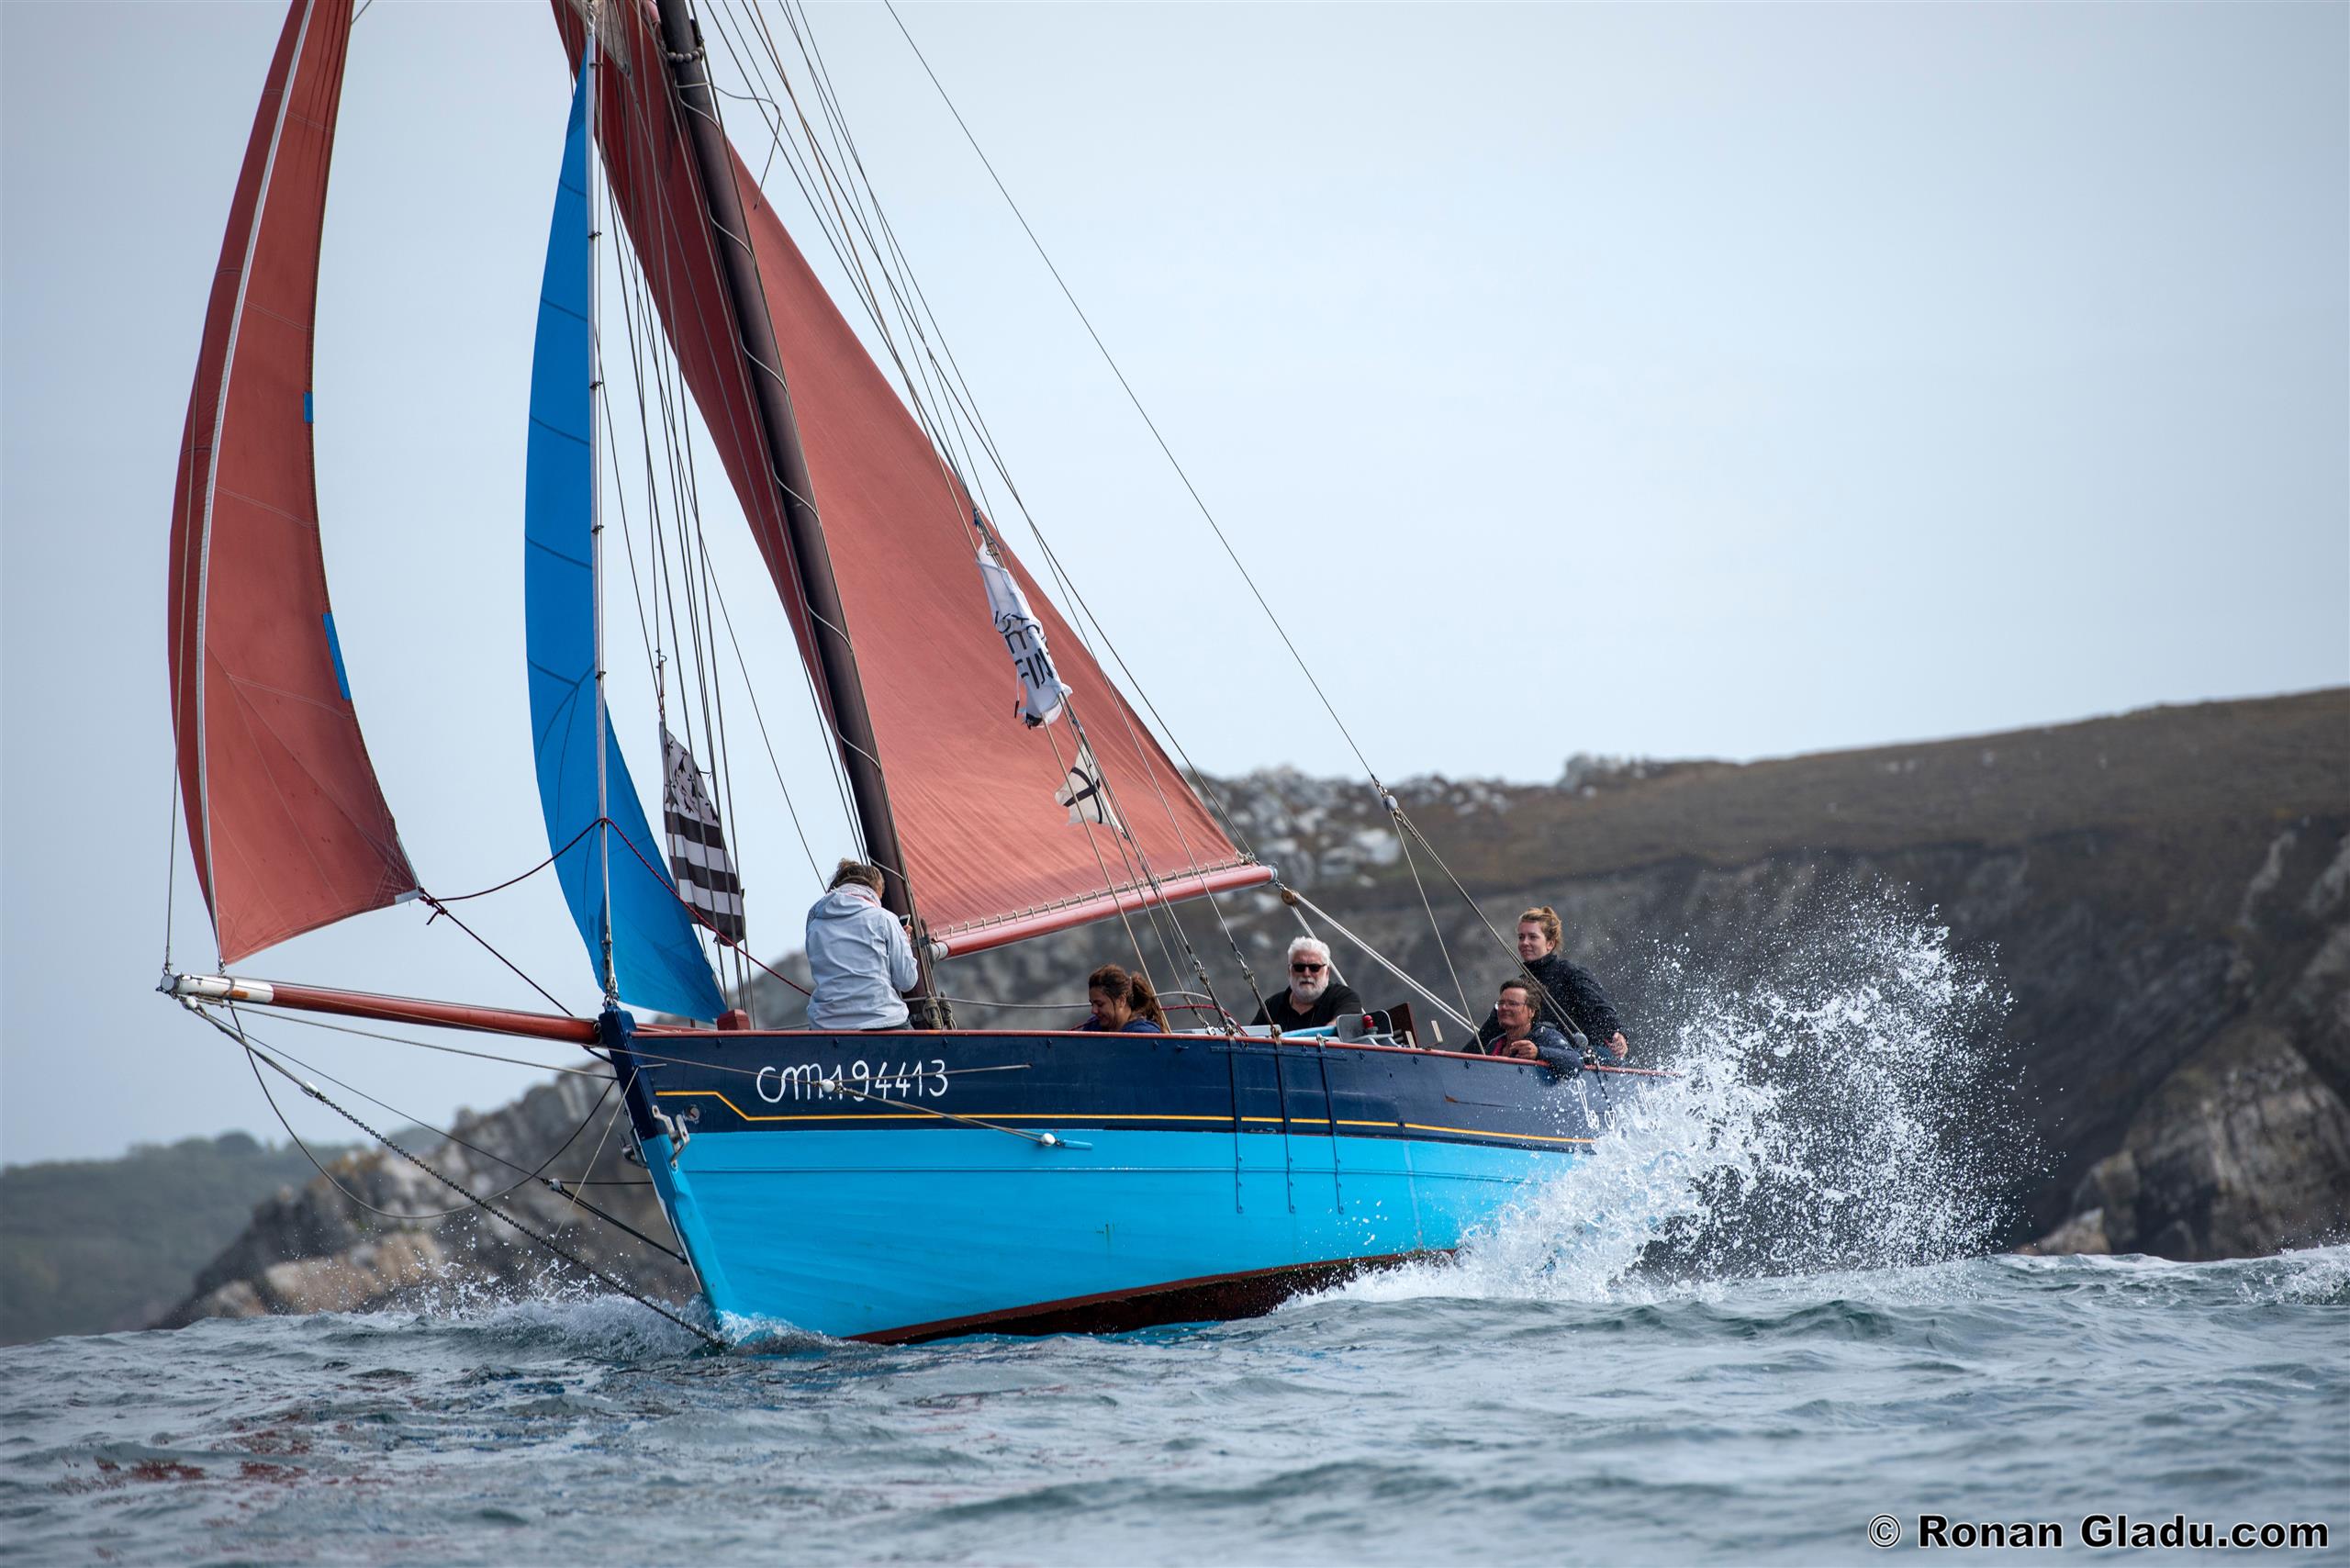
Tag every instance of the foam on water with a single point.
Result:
(1843, 1102)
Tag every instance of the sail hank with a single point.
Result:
(607, 860)
(285, 819)
(973, 793)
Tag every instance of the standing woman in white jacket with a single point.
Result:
(857, 955)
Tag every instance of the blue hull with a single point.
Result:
(902, 1235)
(961, 1183)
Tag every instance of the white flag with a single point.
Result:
(1042, 695)
(1084, 794)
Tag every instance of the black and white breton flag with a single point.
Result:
(697, 856)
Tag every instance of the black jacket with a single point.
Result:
(1277, 1010)
(1570, 1002)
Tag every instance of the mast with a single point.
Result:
(803, 531)
(596, 510)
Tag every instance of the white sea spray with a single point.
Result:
(1843, 1101)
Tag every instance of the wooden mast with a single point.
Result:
(803, 531)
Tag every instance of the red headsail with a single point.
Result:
(287, 822)
(990, 854)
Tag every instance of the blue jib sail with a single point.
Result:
(656, 956)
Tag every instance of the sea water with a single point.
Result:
(1763, 1323)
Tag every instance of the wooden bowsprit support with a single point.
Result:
(385, 1009)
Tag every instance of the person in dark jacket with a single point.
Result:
(1315, 997)
(1123, 1003)
(1568, 998)
(1527, 1038)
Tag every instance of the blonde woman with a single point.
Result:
(1569, 999)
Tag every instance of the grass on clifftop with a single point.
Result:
(94, 1246)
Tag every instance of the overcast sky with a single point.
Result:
(1672, 380)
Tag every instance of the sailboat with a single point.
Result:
(897, 1185)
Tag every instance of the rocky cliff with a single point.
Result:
(372, 1230)
(2163, 897)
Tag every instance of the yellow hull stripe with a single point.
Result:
(1012, 1116)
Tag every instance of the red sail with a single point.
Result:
(287, 821)
(990, 854)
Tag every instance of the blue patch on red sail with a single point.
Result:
(334, 651)
(306, 415)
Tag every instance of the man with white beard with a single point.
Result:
(1314, 996)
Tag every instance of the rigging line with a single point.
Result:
(501, 887)
(1102, 866)
(628, 540)
(1150, 774)
(962, 402)
(598, 1152)
(866, 202)
(698, 917)
(1289, 894)
(1213, 526)
(612, 445)
(238, 1033)
(447, 1136)
(1541, 992)
(1163, 905)
(1144, 750)
(254, 1060)
(852, 261)
(673, 235)
(571, 1190)
(429, 1045)
(1064, 1007)
(727, 617)
(552, 1246)
(439, 909)
(848, 643)
(706, 676)
(845, 144)
(724, 760)
(1404, 845)
(630, 294)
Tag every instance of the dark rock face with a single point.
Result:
(317, 1250)
(2165, 897)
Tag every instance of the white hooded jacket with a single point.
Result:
(860, 960)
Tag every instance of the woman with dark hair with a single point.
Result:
(1567, 997)
(1123, 1003)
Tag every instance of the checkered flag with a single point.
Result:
(697, 856)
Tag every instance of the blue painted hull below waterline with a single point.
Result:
(919, 1184)
(897, 1234)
